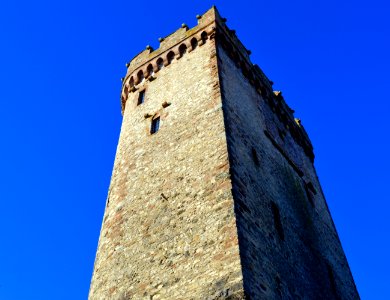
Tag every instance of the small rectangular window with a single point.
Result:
(155, 125)
(141, 97)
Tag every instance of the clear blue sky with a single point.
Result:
(60, 70)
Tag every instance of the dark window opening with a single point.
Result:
(309, 193)
(155, 125)
(277, 221)
(141, 97)
(255, 157)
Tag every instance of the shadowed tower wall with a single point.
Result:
(222, 201)
(288, 243)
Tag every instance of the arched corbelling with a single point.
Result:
(211, 31)
(257, 83)
(279, 114)
(251, 77)
(284, 119)
(164, 59)
(237, 63)
(244, 69)
(203, 38)
(159, 63)
(187, 43)
(222, 43)
(150, 70)
(170, 57)
(228, 47)
(194, 43)
(230, 54)
(236, 59)
(182, 49)
(131, 82)
(140, 76)
(264, 92)
(245, 73)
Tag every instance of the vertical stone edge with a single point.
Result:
(97, 256)
(239, 292)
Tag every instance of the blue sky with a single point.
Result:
(61, 64)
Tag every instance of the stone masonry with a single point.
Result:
(222, 201)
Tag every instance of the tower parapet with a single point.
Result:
(211, 25)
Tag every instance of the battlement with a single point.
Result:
(211, 25)
(150, 60)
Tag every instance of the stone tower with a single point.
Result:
(213, 194)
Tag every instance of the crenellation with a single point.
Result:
(169, 49)
(207, 25)
(175, 38)
(212, 15)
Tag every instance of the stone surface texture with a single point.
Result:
(223, 201)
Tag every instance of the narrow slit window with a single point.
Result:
(255, 157)
(277, 221)
(141, 97)
(155, 125)
(310, 193)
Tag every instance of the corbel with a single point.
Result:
(165, 104)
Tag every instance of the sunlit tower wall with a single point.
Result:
(214, 194)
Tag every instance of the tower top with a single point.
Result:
(211, 25)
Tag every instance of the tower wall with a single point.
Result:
(269, 169)
(169, 228)
(223, 201)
